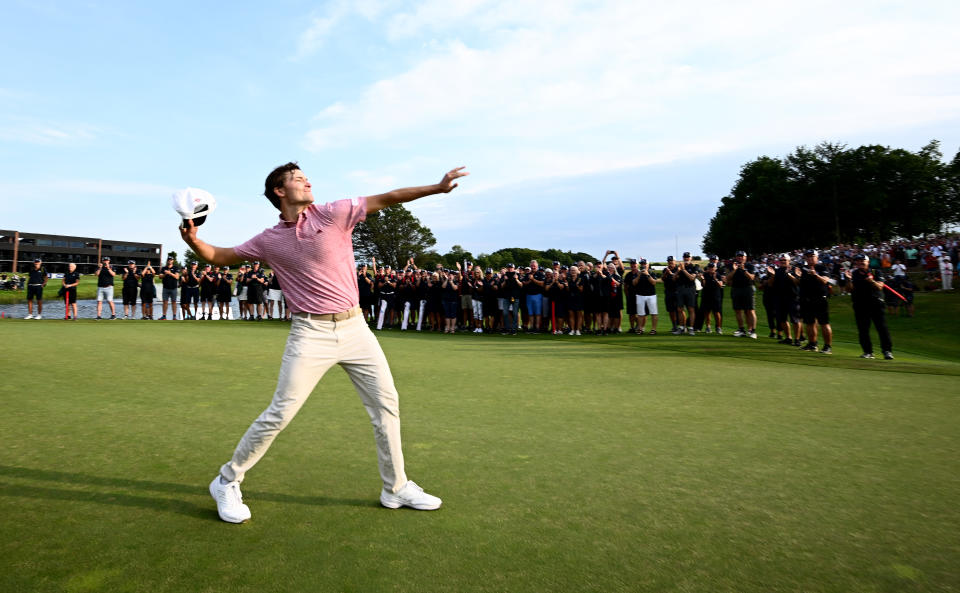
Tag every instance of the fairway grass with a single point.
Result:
(565, 464)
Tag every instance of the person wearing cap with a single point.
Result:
(687, 277)
(669, 279)
(311, 249)
(224, 291)
(868, 307)
(740, 278)
(129, 289)
(105, 275)
(148, 292)
(169, 278)
(645, 287)
(37, 278)
(387, 288)
(70, 281)
(814, 290)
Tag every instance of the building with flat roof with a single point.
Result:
(18, 250)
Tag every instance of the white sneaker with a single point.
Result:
(230, 505)
(29, 316)
(411, 496)
(38, 317)
(739, 334)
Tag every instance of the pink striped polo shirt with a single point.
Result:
(313, 258)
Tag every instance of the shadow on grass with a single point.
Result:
(117, 496)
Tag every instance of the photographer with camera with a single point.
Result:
(511, 288)
(614, 300)
(105, 276)
(814, 290)
(741, 280)
(711, 301)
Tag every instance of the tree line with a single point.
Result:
(831, 194)
(394, 235)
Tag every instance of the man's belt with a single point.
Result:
(343, 315)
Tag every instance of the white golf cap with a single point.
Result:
(194, 204)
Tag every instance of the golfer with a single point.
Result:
(311, 250)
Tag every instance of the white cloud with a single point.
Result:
(48, 133)
(571, 87)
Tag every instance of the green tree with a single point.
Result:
(189, 255)
(172, 254)
(392, 235)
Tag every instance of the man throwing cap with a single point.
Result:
(311, 251)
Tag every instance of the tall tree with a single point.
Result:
(392, 235)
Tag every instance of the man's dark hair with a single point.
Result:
(276, 179)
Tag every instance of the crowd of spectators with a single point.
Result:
(588, 297)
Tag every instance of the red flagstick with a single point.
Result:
(66, 311)
(902, 298)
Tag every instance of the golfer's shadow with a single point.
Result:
(114, 491)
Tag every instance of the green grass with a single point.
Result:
(593, 464)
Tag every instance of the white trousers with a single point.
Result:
(312, 348)
(478, 309)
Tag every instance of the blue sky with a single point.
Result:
(585, 125)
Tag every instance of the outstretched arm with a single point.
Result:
(220, 256)
(409, 194)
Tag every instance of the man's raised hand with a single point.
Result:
(447, 183)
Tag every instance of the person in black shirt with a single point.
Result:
(687, 276)
(575, 299)
(208, 285)
(241, 288)
(630, 292)
(784, 282)
(224, 292)
(105, 276)
(711, 301)
(511, 288)
(256, 283)
(450, 283)
(645, 287)
(37, 280)
(867, 298)
(669, 279)
(740, 278)
(491, 294)
(131, 286)
(148, 292)
(814, 290)
(70, 281)
(365, 288)
(614, 299)
(170, 276)
(387, 286)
